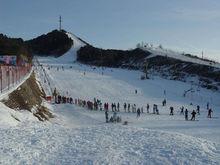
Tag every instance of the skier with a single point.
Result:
(154, 108)
(71, 100)
(107, 106)
(181, 110)
(148, 107)
(125, 106)
(129, 107)
(210, 113)
(112, 107)
(118, 107)
(193, 115)
(106, 116)
(134, 108)
(135, 91)
(171, 111)
(55, 94)
(157, 110)
(186, 114)
(138, 112)
(164, 102)
(198, 110)
(115, 107)
(207, 105)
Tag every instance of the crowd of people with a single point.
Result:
(97, 104)
(193, 113)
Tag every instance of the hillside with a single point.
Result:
(29, 97)
(167, 64)
(110, 57)
(54, 43)
(199, 74)
(14, 46)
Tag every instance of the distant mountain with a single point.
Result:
(162, 62)
(110, 57)
(54, 43)
(14, 46)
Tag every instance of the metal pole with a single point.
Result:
(60, 21)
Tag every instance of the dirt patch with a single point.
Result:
(27, 97)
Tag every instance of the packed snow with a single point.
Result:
(80, 136)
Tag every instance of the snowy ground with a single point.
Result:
(117, 85)
(153, 139)
(79, 136)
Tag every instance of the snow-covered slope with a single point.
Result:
(177, 55)
(9, 117)
(151, 139)
(101, 144)
(79, 136)
(71, 55)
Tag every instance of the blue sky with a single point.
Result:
(191, 25)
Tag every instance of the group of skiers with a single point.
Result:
(97, 104)
(115, 107)
(193, 113)
(63, 100)
(113, 119)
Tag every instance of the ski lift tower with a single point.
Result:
(102, 61)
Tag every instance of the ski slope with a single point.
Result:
(71, 55)
(158, 139)
(80, 136)
(177, 55)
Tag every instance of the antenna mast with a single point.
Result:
(60, 23)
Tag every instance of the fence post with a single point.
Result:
(13, 79)
(16, 78)
(1, 76)
(8, 74)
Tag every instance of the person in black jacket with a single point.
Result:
(171, 110)
(138, 112)
(210, 113)
(106, 116)
(193, 115)
(186, 114)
